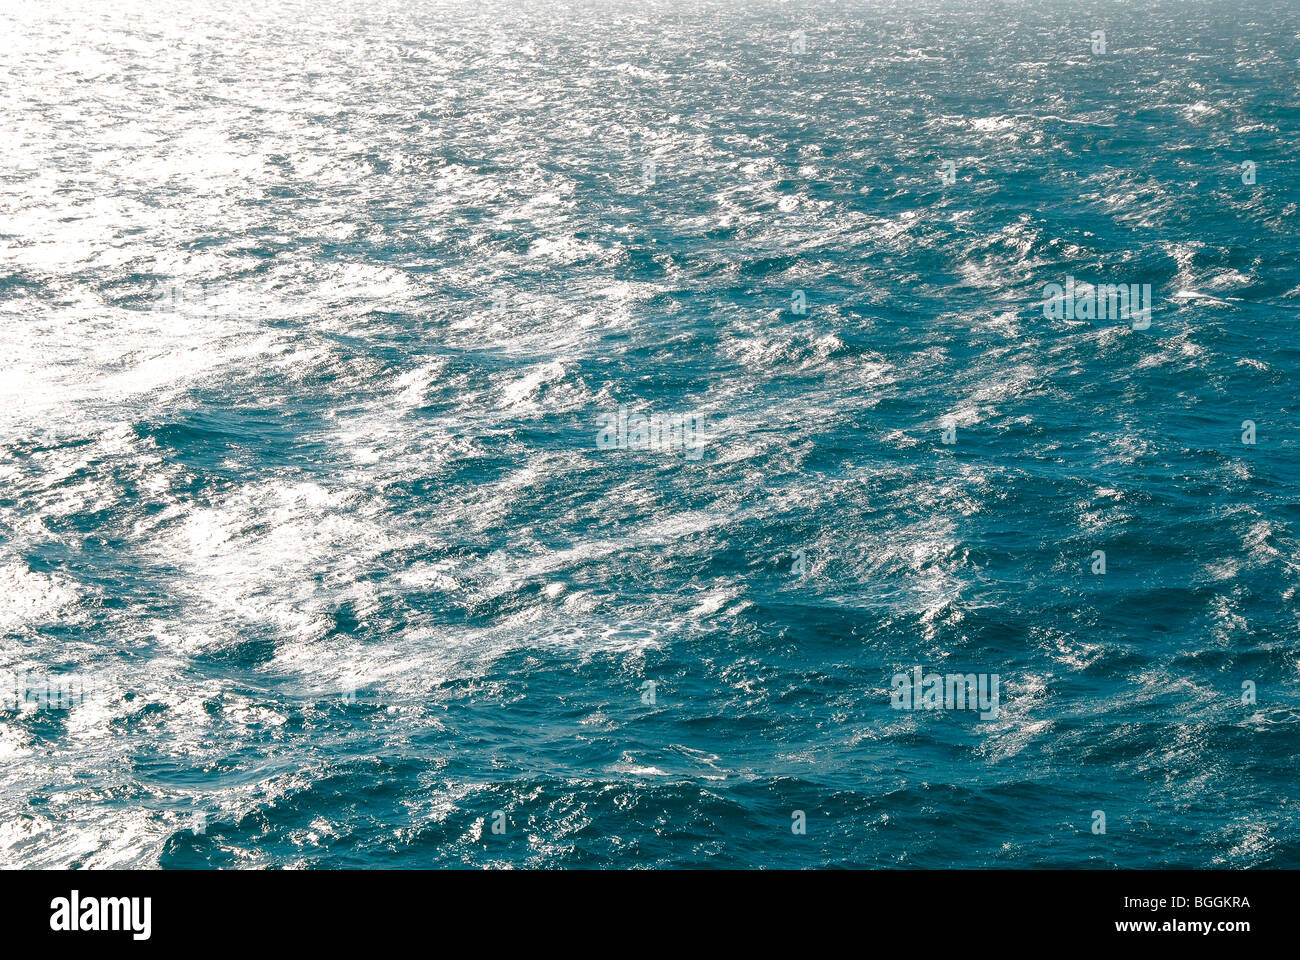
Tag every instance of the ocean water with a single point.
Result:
(316, 324)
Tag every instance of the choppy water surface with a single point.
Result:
(308, 313)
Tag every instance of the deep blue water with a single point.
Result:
(310, 314)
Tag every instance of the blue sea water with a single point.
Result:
(310, 315)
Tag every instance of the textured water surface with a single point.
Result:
(308, 317)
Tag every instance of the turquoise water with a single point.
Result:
(312, 318)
